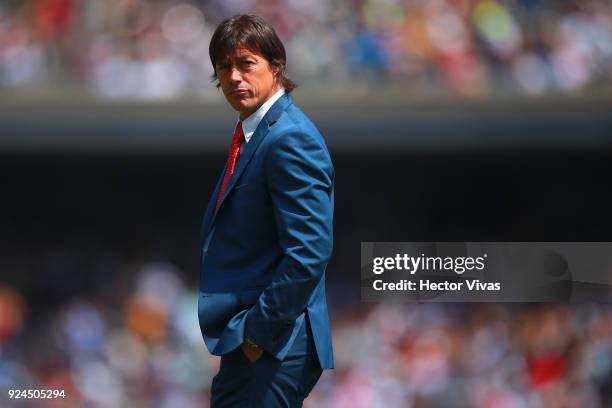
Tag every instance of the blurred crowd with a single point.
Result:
(158, 49)
(132, 339)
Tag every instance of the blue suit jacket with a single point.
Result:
(264, 252)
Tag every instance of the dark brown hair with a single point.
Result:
(254, 34)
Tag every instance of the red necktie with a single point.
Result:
(234, 154)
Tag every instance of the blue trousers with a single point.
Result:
(268, 382)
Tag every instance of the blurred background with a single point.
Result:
(158, 49)
(447, 120)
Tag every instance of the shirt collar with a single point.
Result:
(250, 124)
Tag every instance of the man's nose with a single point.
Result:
(235, 74)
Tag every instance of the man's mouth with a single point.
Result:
(238, 91)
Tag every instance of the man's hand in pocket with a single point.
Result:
(252, 351)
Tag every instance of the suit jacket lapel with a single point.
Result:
(249, 149)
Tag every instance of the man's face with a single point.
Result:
(247, 81)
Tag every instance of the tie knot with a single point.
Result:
(238, 135)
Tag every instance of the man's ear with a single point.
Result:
(276, 71)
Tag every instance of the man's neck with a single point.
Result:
(250, 123)
(246, 116)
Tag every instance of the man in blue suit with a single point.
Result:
(267, 232)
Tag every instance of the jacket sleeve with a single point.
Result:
(300, 182)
